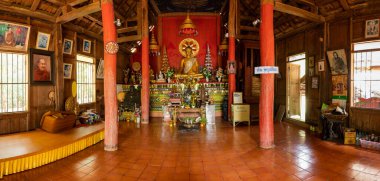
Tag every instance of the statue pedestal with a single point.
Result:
(161, 81)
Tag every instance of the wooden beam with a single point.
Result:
(27, 12)
(58, 12)
(344, 5)
(284, 8)
(82, 30)
(83, 11)
(155, 7)
(76, 2)
(296, 30)
(249, 28)
(307, 2)
(94, 19)
(127, 29)
(128, 38)
(35, 5)
(248, 37)
(91, 25)
(56, 2)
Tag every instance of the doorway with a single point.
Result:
(296, 87)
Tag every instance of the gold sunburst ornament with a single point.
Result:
(188, 42)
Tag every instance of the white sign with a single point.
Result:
(266, 70)
(237, 97)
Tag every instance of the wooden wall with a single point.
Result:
(38, 95)
(339, 35)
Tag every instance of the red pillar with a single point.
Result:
(231, 52)
(267, 80)
(109, 35)
(231, 77)
(145, 64)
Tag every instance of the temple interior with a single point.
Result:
(189, 90)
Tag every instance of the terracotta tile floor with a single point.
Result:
(221, 152)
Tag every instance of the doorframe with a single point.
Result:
(286, 83)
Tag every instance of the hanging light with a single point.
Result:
(153, 46)
(223, 47)
(188, 28)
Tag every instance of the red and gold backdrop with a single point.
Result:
(208, 26)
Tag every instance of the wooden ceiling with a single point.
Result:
(290, 15)
(167, 6)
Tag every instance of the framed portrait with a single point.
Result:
(41, 67)
(67, 70)
(372, 28)
(14, 37)
(100, 70)
(67, 46)
(321, 66)
(338, 62)
(43, 40)
(231, 67)
(311, 72)
(311, 61)
(86, 46)
(314, 82)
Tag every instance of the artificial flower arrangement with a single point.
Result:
(169, 73)
(206, 72)
(219, 74)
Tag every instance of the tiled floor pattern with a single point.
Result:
(221, 152)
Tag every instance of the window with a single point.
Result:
(85, 79)
(13, 82)
(365, 81)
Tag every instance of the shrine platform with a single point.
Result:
(28, 150)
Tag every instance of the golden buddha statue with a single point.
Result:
(189, 64)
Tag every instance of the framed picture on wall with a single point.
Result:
(321, 66)
(231, 69)
(100, 71)
(67, 46)
(314, 82)
(14, 37)
(372, 28)
(43, 40)
(86, 46)
(67, 70)
(41, 67)
(311, 61)
(338, 62)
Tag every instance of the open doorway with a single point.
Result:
(296, 87)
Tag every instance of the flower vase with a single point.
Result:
(219, 79)
(207, 79)
(169, 80)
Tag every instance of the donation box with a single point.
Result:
(240, 113)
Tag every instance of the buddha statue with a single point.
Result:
(189, 64)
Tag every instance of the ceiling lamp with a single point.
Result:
(223, 47)
(188, 28)
(153, 46)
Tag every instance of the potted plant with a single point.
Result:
(203, 121)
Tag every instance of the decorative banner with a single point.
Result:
(112, 47)
(339, 85)
(266, 70)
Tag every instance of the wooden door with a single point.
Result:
(294, 107)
